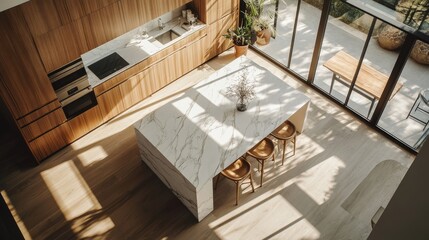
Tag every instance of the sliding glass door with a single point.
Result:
(359, 60)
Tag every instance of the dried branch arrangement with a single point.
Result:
(243, 88)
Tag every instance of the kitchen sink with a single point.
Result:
(167, 37)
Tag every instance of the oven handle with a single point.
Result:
(76, 96)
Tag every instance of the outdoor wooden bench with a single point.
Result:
(370, 83)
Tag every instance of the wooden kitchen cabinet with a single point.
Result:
(216, 43)
(41, 16)
(104, 25)
(43, 124)
(50, 142)
(135, 89)
(70, 10)
(25, 86)
(62, 45)
(216, 9)
(84, 123)
(34, 115)
(110, 103)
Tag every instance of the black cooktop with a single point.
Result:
(108, 65)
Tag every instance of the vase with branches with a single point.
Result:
(243, 89)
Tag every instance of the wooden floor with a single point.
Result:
(98, 188)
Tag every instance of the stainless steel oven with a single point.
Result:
(71, 85)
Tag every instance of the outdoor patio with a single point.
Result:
(342, 36)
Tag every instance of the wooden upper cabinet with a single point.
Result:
(104, 25)
(217, 9)
(41, 16)
(25, 85)
(70, 10)
(62, 45)
(226, 7)
(136, 12)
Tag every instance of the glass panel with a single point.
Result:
(305, 38)
(280, 47)
(380, 57)
(404, 116)
(409, 15)
(343, 40)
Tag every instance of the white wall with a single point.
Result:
(6, 4)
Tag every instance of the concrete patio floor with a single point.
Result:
(340, 36)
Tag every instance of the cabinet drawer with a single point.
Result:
(50, 142)
(84, 123)
(43, 124)
(31, 117)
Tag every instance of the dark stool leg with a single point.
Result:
(409, 113)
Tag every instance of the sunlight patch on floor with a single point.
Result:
(92, 155)
(235, 224)
(76, 200)
(323, 175)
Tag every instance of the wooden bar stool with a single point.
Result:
(238, 171)
(261, 152)
(286, 133)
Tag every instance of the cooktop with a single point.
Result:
(108, 65)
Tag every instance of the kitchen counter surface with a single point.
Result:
(189, 141)
(134, 47)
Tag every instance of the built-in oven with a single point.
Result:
(71, 85)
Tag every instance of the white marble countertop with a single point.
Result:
(134, 48)
(201, 132)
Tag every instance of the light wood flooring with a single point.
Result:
(98, 188)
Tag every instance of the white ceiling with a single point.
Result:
(6, 4)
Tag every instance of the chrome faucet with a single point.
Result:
(160, 24)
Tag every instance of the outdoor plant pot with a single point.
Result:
(263, 37)
(240, 50)
(391, 38)
(420, 52)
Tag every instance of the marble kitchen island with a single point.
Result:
(190, 140)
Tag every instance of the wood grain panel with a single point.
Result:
(32, 116)
(211, 11)
(110, 103)
(132, 90)
(41, 16)
(62, 45)
(215, 41)
(226, 7)
(84, 123)
(104, 25)
(137, 12)
(25, 85)
(50, 142)
(43, 124)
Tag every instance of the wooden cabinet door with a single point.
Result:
(226, 7)
(137, 12)
(216, 43)
(41, 16)
(110, 103)
(84, 123)
(134, 90)
(104, 25)
(62, 45)
(43, 124)
(50, 142)
(24, 86)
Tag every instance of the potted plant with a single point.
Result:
(259, 19)
(243, 89)
(264, 30)
(241, 39)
